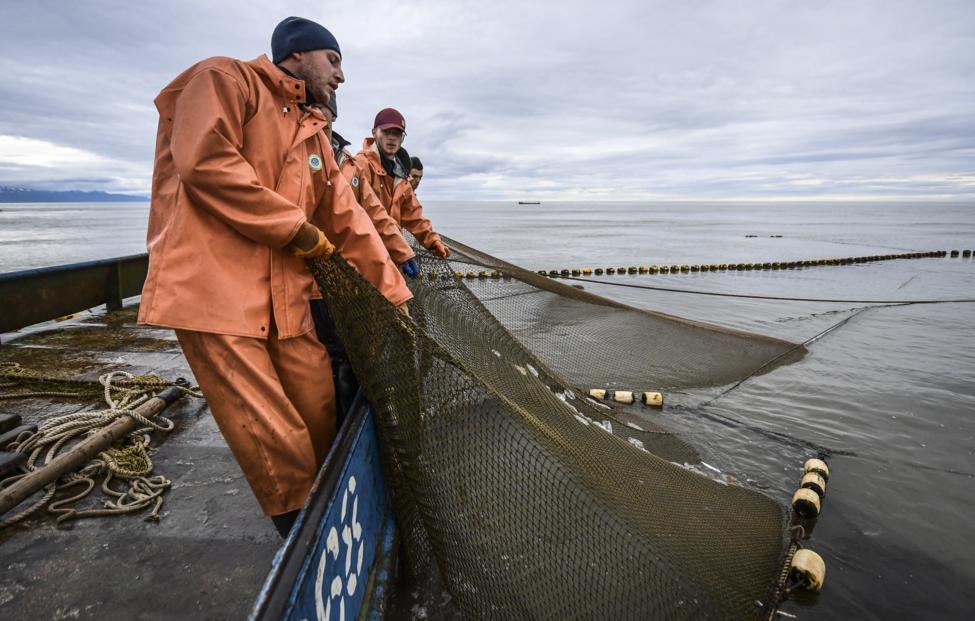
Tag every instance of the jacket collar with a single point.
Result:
(384, 165)
(371, 152)
(287, 86)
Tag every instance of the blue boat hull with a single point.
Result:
(338, 559)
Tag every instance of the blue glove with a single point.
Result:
(411, 268)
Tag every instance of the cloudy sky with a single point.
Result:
(605, 100)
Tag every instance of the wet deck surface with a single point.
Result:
(207, 556)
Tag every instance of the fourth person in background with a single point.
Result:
(416, 172)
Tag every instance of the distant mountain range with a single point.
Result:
(27, 195)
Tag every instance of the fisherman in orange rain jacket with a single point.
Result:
(389, 229)
(386, 166)
(244, 189)
(346, 383)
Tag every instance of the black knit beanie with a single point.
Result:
(297, 34)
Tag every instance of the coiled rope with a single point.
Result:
(129, 460)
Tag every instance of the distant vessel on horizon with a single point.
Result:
(529, 202)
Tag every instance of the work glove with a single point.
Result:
(411, 268)
(310, 243)
(438, 247)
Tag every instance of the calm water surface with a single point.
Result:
(890, 393)
(42, 234)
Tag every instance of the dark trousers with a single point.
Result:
(346, 383)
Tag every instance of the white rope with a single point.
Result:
(123, 392)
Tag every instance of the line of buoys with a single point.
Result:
(738, 267)
(807, 570)
(482, 275)
(653, 270)
(627, 397)
(808, 499)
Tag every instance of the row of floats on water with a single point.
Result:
(706, 267)
(807, 569)
(767, 265)
(628, 397)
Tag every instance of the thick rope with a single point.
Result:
(781, 584)
(771, 297)
(130, 460)
(736, 295)
(673, 266)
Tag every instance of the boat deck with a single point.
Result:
(208, 555)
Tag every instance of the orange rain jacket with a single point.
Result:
(395, 194)
(388, 228)
(236, 174)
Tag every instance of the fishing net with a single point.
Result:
(528, 499)
(593, 341)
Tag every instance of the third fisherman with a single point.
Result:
(386, 167)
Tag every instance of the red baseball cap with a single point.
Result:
(389, 118)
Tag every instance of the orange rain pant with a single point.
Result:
(274, 403)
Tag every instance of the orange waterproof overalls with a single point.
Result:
(239, 167)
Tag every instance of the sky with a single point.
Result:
(568, 100)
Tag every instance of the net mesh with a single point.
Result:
(528, 499)
(595, 342)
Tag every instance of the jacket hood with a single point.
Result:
(371, 151)
(288, 88)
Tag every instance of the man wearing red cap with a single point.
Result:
(244, 189)
(386, 168)
(390, 230)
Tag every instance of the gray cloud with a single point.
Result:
(589, 100)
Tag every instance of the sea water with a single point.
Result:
(887, 391)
